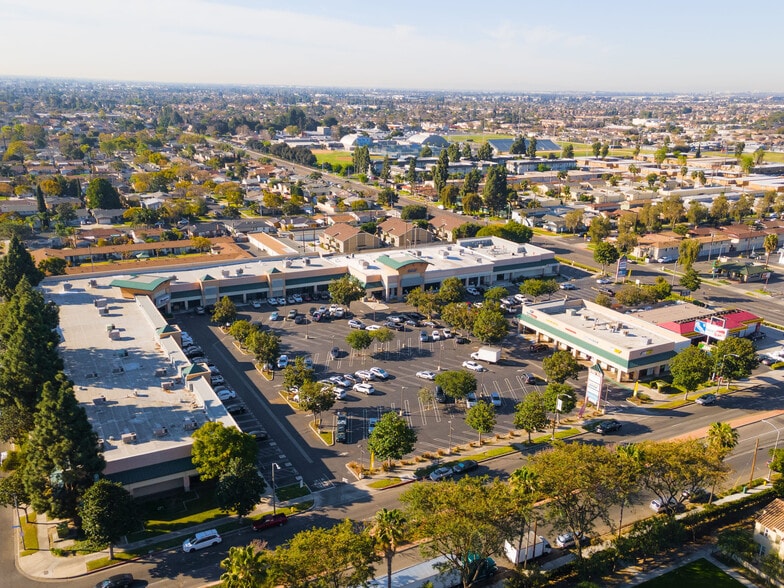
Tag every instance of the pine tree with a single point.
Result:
(62, 454)
(28, 342)
(15, 264)
(496, 189)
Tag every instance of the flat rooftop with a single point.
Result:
(125, 377)
(591, 322)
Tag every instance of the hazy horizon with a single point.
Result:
(521, 47)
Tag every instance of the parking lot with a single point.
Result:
(436, 424)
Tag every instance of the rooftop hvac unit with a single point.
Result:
(225, 273)
(307, 261)
(365, 264)
(625, 332)
(418, 253)
(129, 438)
(287, 263)
(100, 302)
(67, 286)
(444, 254)
(160, 432)
(189, 424)
(240, 271)
(103, 311)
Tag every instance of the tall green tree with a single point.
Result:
(101, 194)
(425, 302)
(359, 340)
(771, 243)
(296, 373)
(108, 514)
(530, 150)
(459, 315)
(388, 529)
(722, 438)
(248, 566)
(568, 151)
(385, 169)
(481, 418)
(391, 438)
(225, 311)
(734, 358)
(337, 557)
(531, 413)
(239, 487)
(575, 478)
(468, 516)
(690, 280)
(456, 383)
(451, 290)
(316, 398)
(264, 345)
(690, 368)
(560, 366)
(496, 190)
(28, 341)
(62, 457)
(599, 229)
(215, 445)
(517, 147)
(536, 287)
(485, 152)
(14, 265)
(490, 325)
(346, 290)
(471, 183)
(441, 171)
(688, 250)
(605, 254)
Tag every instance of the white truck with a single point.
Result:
(420, 574)
(488, 354)
(531, 547)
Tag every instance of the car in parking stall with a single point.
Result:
(297, 298)
(538, 347)
(364, 375)
(471, 400)
(472, 290)
(435, 335)
(334, 353)
(495, 399)
(365, 389)
(225, 393)
(373, 327)
(372, 422)
(274, 316)
(380, 373)
(269, 521)
(292, 314)
(283, 361)
(423, 337)
(464, 466)
(426, 375)
(474, 366)
(355, 324)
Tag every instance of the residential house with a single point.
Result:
(345, 238)
(444, 226)
(108, 216)
(769, 528)
(399, 233)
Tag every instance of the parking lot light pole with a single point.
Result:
(274, 467)
(450, 436)
(402, 389)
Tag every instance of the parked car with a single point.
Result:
(116, 581)
(372, 422)
(201, 540)
(609, 292)
(426, 375)
(217, 380)
(441, 473)
(462, 340)
(291, 300)
(258, 435)
(201, 310)
(339, 392)
(471, 400)
(372, 327)
(672, 505)
(568, 286)
(466, 465)
(528, 378)
(394, 326)
(269, 521)
(308, 362)
(355, 324)
(334, 353)
(380, 373)
(474, 367)
(423, 337)
(472, 291)
(292, 314)
(341, 381)
(664, 259)
(235, 409)
(365, 389)
(350, 378)
(274, 316)
(447, 334)
(299, 319)
(441, 396)
(568, 540)
(436, 336)
(495, 399)
(608, 426)
(364, 375)
(283, 361)
(604, 281)
(706, 399)
(521, 299)
(297, 298)
(225, 393)
(537, 347)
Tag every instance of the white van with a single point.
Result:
(201, 540)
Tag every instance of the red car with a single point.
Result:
(268, 521)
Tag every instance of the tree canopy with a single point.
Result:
(346, 290)
(108, 513)
(456, 383)
(392, 438)
(101, 194)
(215, 445)
(14, 265)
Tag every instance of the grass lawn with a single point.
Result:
(698, 574)
(331, 157)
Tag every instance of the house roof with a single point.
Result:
(772, 516)
(396, 226)
(341, 231)
(449, 221)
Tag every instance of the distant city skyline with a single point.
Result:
(492, 46)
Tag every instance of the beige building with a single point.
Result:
(344, 238)
(769, 529)
(399, 233)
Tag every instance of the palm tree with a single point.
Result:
(771, 243)
(526, 483)
(247, 566)
(722, 438)
(626, 485)
(389, 531)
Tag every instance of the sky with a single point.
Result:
(479, 45)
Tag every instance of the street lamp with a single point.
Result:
(775, 445)
(402, 389)
(441, 356)
(274, 467)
